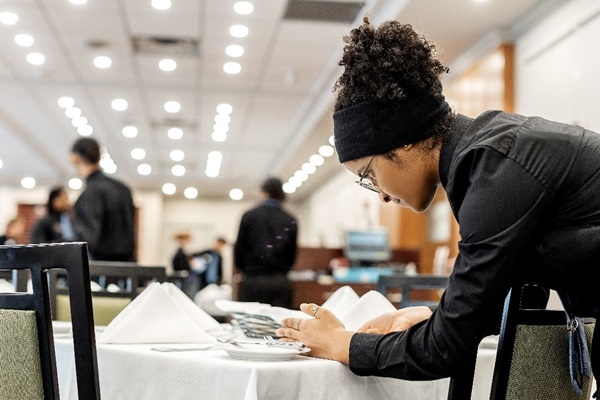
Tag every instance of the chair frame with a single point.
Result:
(132, 273)
(408, 283)
(461, 384)
(38, 260)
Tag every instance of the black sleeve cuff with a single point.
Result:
(363, 353)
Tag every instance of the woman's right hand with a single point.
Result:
(395, 321)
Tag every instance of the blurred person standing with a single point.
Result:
(56, 225)
(181, 259)
(208, 264)
(103, 215)
(265, 249)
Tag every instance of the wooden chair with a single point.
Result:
(27, 358)
(407, 286)
(106, 304)
(532, 360)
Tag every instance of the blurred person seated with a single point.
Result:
(55, 226)
(15, 230)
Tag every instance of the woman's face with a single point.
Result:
(410, 179)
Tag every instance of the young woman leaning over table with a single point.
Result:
(524, 190)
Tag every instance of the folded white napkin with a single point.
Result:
(370, 305)
(162, 313)
(341, 300)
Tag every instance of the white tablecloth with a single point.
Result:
(134, 372)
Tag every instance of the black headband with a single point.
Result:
(373, 127)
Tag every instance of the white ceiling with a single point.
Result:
(281, 98)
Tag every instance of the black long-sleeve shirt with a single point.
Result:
(267, 240)
(103, 216)
(47, 229)
(526, 194)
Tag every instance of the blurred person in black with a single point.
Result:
(265, 249)
(103, 215)
(56, 225)
(208, 264)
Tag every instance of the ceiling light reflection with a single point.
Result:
(119, 104)
(234, 50)
(238, 31)
(66, 102)
(129, 131)
(167, 65)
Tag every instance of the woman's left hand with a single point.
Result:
(324, 334)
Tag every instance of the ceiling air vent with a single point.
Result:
(165, 45)
(323, 11)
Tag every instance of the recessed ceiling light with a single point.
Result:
(215, 155)
(331, 140)
(190, 193)
(28, 182)
(236, 194)
(219, 136)
(234, 50)
(295, 181)
(36, 58)
(102, 62)
(169, 189)
(238, 31)
(289, 188)
(8, 18)
(172, 107)
(177, 155)
(316, 159)
(144, 169)
(138, 154)
(303, 176)
(309, 168)
(326, 150)
(243, 7)
(161, 4)
(224, 108)
(78, 2)
(222, 128)
(24, 40)
(1, 163)
(167, 65)
(232, 67)
(175, 133)
(119, 104)
(73, 112)
(85, 130)
(222, 119)
(178, 170)
(75, 183)
(66, 102)
(129, 131)
(79, 121)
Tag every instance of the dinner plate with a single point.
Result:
(262, 352)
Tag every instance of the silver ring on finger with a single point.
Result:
(298, 324)
(315, 309)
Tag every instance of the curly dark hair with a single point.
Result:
(392, 63)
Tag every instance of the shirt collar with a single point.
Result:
(461, 125)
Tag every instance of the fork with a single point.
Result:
(271, 341)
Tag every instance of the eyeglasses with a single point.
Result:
(366, 182)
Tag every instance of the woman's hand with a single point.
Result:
(395, 321)
(324, 334)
